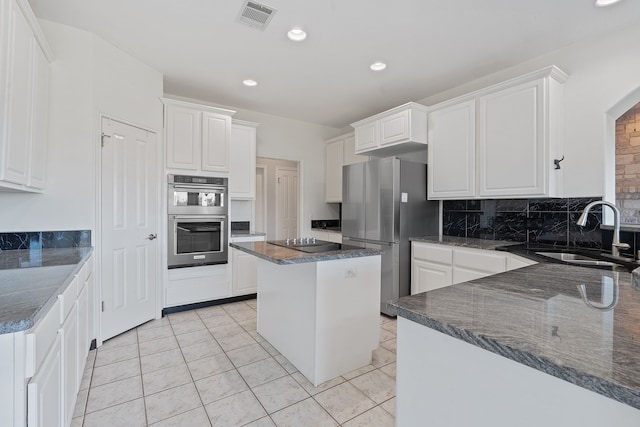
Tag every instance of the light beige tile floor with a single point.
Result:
(209, 367)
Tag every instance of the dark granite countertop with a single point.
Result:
(465, 242)
(578, 324)
(30, 282)
(281, 255)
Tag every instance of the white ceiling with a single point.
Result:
(429, 46)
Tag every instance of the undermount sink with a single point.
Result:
(576, 258)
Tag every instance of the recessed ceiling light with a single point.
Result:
(378, 66)
(296, 34)
(605, 3)
(250, 83)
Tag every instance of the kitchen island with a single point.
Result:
(548, 344)
(320, 310)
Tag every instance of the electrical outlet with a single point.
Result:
(350, 272)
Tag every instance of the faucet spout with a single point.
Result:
(615, 244)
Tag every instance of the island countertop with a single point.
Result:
(30, 281)
(282, 255)
(578, 324)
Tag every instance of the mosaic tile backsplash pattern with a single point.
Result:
(45, 239)
(545, 221)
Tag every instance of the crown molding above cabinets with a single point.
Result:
(499, 142)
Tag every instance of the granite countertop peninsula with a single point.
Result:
(578, 324)
(466, 242)
(30, 281)
(281, 255)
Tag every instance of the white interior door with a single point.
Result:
(129, 223)
(286, 203)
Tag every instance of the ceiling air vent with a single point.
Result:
(256, 15)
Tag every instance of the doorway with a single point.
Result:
(129, 203)
(277, 206)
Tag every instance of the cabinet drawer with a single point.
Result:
(68, 298)
(432, 253)
(483, 261)
(40, 339)
(85, 272)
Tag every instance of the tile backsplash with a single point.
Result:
(547, 221)
(45, 239)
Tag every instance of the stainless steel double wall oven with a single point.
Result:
(198, 220)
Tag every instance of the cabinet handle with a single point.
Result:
(151, 236)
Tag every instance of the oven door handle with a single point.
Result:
(201, 217)
(198, 187)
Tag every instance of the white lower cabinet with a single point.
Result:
(69, 334)
(245, 273)
(244, 268)
(42, 367)
(43, 392)
(197, 284)
(435, 266)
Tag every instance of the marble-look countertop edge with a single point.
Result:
(13, 326)
(590, 382)
(316, 257)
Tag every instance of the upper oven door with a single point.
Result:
(197, 199)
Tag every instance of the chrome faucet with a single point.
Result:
(615, 245)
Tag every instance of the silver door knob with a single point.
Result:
(151, 236)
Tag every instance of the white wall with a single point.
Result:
(89, 77)
(602, 72)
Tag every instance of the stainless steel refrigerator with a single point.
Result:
(384, 203)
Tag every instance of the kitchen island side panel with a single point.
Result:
(286, 311)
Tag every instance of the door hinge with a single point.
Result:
(102, 137)
(102, 306)
(278, 180)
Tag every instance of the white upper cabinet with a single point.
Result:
(340, 152)
(499, 142)
(454, 128)
(242, 169)
(24, 91)
(399, 130)
(197, 136)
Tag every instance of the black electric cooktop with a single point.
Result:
(312, 245)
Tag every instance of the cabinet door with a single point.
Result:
(70, 381)
(451, 152)
(242, 167)
(39, 119)
(44, 400)
(216, 137)
(83, 331)
(394, 128)
(427, 276)
(511, 141)
(366, 136)
(184, 136)
(350, 156)
(245, 273)
(333, 172)
(14, 139)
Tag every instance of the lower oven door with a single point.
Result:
(197, 240)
